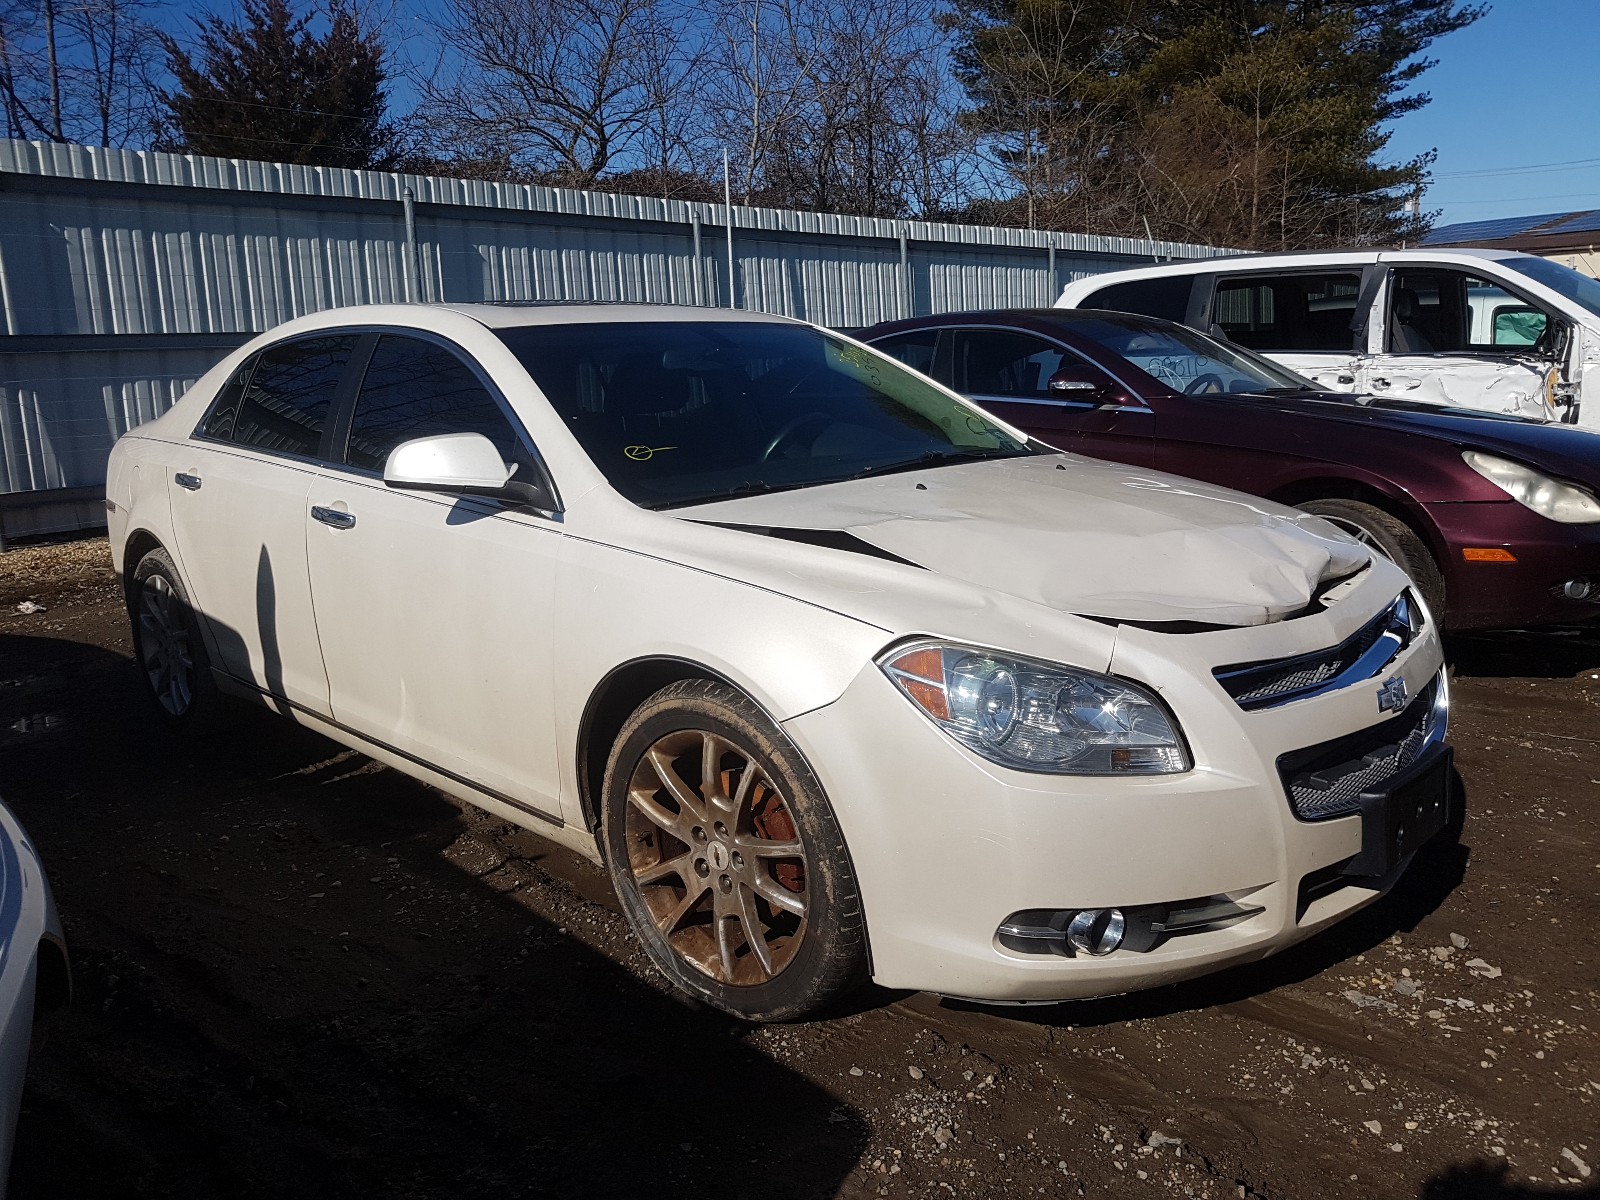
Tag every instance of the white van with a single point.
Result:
(1486, 329)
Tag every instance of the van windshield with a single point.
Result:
(1580, 289)
(686, 412)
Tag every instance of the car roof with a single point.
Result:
(1267, 262)
(512, 315)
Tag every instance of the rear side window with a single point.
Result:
(412, 389)
(915, 349)
(1166, 296)
(1289, 312)
(282, 404)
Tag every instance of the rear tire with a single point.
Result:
(1392, 538)
(727, 858)
(169, 648)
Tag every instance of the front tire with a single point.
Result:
(169, 647)
(727, 858)
(1392, 538)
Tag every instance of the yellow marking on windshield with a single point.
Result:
(644, 453)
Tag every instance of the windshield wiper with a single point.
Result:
(934, 459)
(749, 488)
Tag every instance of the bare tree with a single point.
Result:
(833, 106)
(78, 70)
(563, 88)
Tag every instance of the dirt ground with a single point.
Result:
(301, 974)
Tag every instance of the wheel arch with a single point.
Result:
(613, 700)
(138, 543)
(1343, 487)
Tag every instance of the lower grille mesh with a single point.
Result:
(1325, 781)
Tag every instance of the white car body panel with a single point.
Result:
(463, 645)
(1503, 381)
(27, 920)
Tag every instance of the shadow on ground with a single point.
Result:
(291, 983)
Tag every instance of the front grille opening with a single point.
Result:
(1327, 780)
(1360, 656)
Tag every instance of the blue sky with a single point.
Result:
(1516, 89)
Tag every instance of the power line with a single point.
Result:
(1516, 199)
(1575, 164)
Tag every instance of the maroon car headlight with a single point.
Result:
(1038, 716)
(1564, 502)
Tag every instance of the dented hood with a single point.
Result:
(1078, 535)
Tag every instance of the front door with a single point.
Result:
(434, 610)
(1451, 337)
(238, 508)
(1008, 372)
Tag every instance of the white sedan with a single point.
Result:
(838, 675)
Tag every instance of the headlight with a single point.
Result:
(1038, 716)
(1548, 497)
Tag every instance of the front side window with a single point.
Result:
(414, 388)
(1563, 280)
(1433, 311)
(1306, 312)
(681, 412)
(284, 403)
(994, 362)
(1186, 360)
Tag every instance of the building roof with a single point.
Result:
(1544, 231)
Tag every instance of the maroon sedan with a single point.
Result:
(1495, 518)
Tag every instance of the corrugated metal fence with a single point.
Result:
(124, 275)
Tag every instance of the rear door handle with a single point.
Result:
(185, 480)
(333, 517)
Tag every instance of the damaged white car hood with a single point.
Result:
(1077, 535)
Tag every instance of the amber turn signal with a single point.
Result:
(1487, 554)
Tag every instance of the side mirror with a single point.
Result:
(1085, 384)
(465, 463)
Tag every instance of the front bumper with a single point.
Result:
(947, 846)
(1499, 595)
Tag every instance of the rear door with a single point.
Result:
(1453, 336)
(435, 610)
(238, 509)
(1306, 320)
(1008, 372)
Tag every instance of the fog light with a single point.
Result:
(1096, 930)
(1578, 588)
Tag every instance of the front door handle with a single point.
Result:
(185, 480)
(333, 517)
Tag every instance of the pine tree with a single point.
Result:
(269, 88)
(1248, 123)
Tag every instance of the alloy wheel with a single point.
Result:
(164, 645)
(716, 857)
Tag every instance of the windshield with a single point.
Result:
(1580, 289)
(1188, 361)
(678, 412)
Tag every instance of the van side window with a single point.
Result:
(1289, 312)
(1434, 311)
(1166, 296)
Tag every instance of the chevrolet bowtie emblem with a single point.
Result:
(1392, 695)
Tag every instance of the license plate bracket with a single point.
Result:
(1399, 820)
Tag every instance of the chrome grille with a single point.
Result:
(1360, 656)
(1327, 780)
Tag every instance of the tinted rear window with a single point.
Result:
(1166, 296)
(284, 406)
